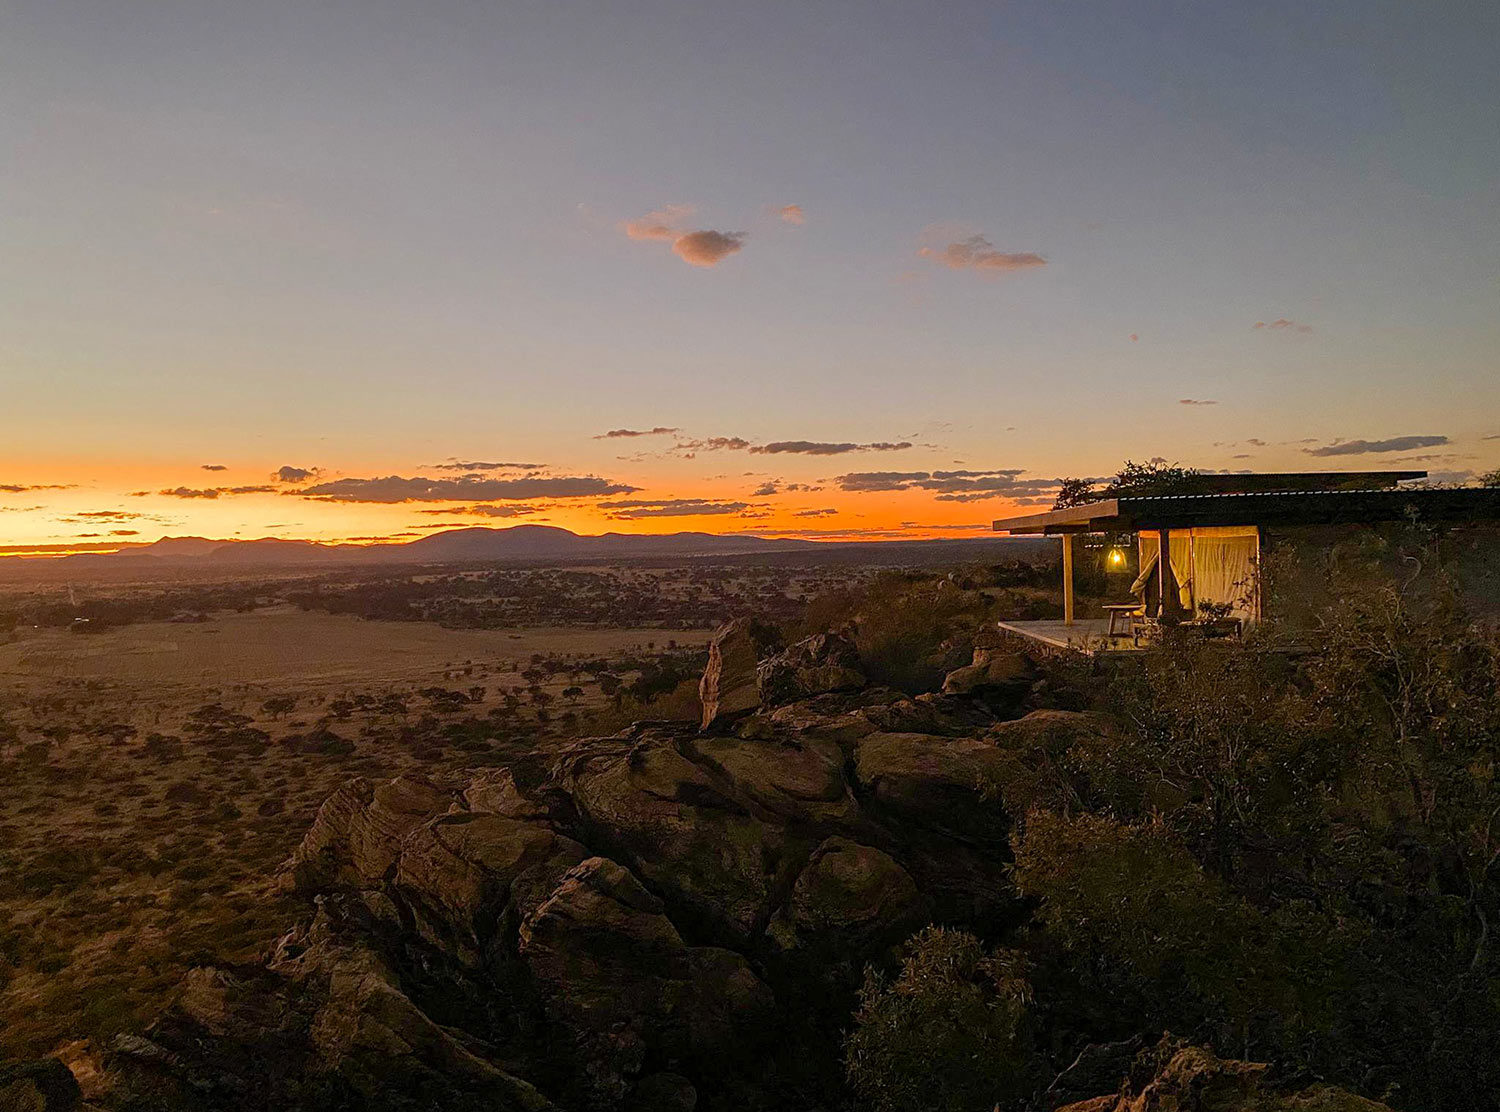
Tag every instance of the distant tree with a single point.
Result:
(1490, 478)
(572, 694)
(278, 705)
(1154, 477)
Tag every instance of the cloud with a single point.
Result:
(1134, 338)
(825, 448)
(486, 465)
(671, 507)
(617, 434)
(214, 467)
(708, 247)
(765, 490)
(1281, 324)
(665, 223)
(124, 532)
(295, 474)
(21, 488)
(702, 247)
(214, 492)
(1363, 447)
(792, 214)
(978, 253)
(953, 486)
(1196, 401)
(486, 511)
(394, 488)
(826, 512)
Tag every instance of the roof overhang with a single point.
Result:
(1329, 507)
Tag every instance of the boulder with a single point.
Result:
(936, 783)
(999, 678)
(615, 971)
(464, 874)
(822, 663)
(945, 715)
(663, 1092)
(1193, 1079)
(851, 900)
(495, 790)
(356, 837)
(45, 1085)
(728, 688)
(1034, 751)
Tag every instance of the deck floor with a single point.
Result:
(1085, 635)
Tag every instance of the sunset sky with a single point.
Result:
(367, 269)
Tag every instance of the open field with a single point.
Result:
(284, 645)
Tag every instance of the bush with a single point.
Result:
(950, 1034)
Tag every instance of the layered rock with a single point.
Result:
(729, 686)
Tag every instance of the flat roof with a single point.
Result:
(1292, 507)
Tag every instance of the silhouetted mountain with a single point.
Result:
(519, 542)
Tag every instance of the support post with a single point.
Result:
(1171, 603)
(1067, 571)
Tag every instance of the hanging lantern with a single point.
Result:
(1115, 559)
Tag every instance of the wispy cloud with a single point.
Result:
(394, 488)
(666, 222)
(1364, 447)
(1281, 324)
(1196, 401)
(21, 488)
(978, 253)
(295, 474)
(825, 448)
(213, 492)
(954, 486)
(486, 465)
(792, 214)
(671, 507)
(619, 434)
(484, 510)
(214, 467)
(827, 511)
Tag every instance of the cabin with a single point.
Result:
(1217, 540)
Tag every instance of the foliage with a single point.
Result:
(950, 1033)
(1293, 855)
(1155, 476)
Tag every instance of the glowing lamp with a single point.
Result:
(1116, 559)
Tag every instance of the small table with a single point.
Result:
(1127, 610)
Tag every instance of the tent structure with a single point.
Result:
(1214, 538)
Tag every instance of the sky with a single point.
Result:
(364, 270)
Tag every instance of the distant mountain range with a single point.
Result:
(519, 542)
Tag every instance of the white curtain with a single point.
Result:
(1225, 572)
(1182, 562)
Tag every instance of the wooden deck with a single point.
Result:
(1089, 636)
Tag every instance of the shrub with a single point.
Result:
(951, 1033)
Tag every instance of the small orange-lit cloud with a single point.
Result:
(1280, 324)
(697, 247)
(978, 253)
(792, 214)
(1196, 401)
(707, 248)
(1134, 338)
(666, 222)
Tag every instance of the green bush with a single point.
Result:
(951, 1033)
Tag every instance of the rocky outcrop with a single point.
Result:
(820, 664)
(1192, 1079)
(633, 922)
(357, 834)
(729, 686)
(619, 977)
(45, 1085)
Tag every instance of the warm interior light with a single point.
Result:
(1116, 558)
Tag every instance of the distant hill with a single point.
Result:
(518, 542)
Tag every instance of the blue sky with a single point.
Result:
(366, 237)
